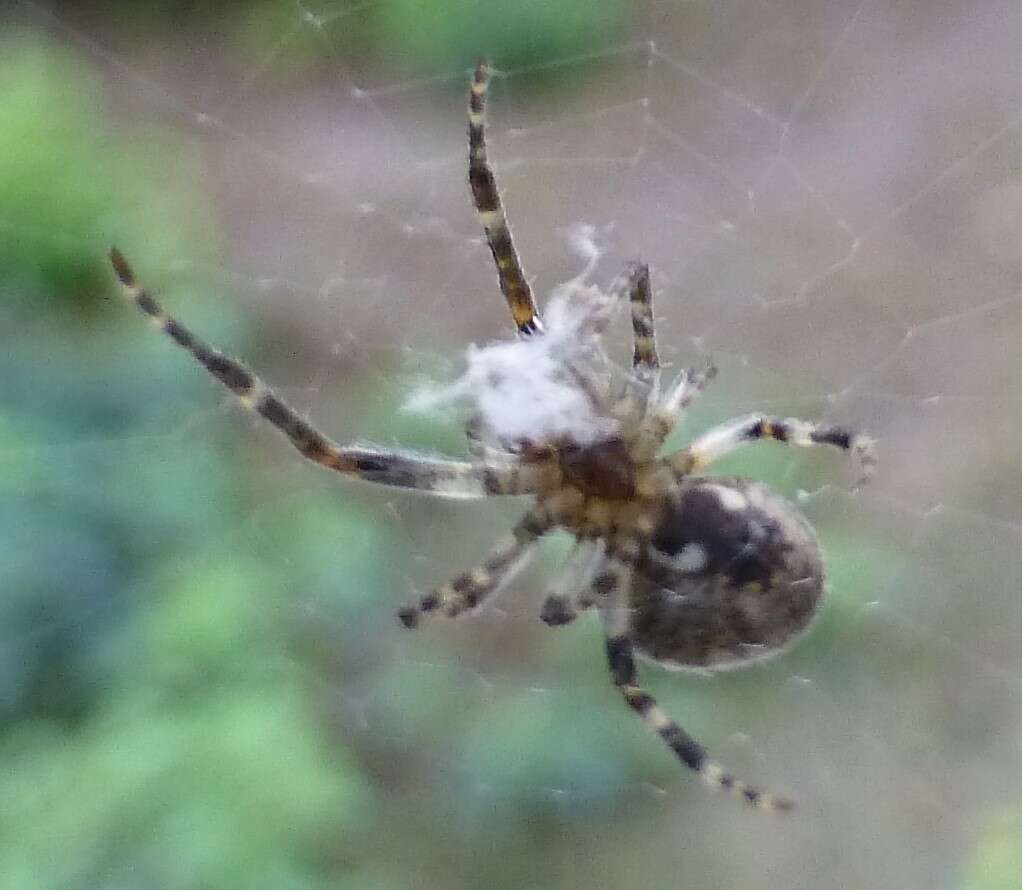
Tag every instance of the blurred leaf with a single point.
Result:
(513, 34)
(69, 186)
(221, 793)
(423, 35)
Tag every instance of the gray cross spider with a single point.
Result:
(692, 571)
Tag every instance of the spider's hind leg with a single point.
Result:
(621, 661)
(572, 592)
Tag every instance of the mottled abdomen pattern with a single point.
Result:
(733, 574)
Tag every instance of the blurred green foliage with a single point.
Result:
(405, 37)
(997, 861)
(416, 36)
(68, 183)
(515, 34)
(49, 207)
(155, 732)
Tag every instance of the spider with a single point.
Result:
(691, 571)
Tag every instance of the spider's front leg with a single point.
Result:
(617, 579)
(486, 197)
(728, 437)
(635, 281)
(450, 478)
(662, 416)
(662, 410)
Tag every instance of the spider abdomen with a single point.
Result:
(733, 573)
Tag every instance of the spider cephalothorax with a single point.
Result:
(692, 571)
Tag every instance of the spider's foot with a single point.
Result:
(410, 614)
(557, 611)
(714, 775)
(409, 617)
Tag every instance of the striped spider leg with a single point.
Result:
(727, 437)
(654, 413)
(645, 360)
(663, 410)
(449, 478)
(615, 610)
(467, 590)
(513, 283)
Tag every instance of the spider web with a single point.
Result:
(827, 195)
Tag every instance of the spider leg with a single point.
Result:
(727, 437)
(621, 660)
(683, 392)
(645, 360)
(513, 285)
(572, 592)
(450, 478)
(662, 416)
(635, 395)
(469, 589)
